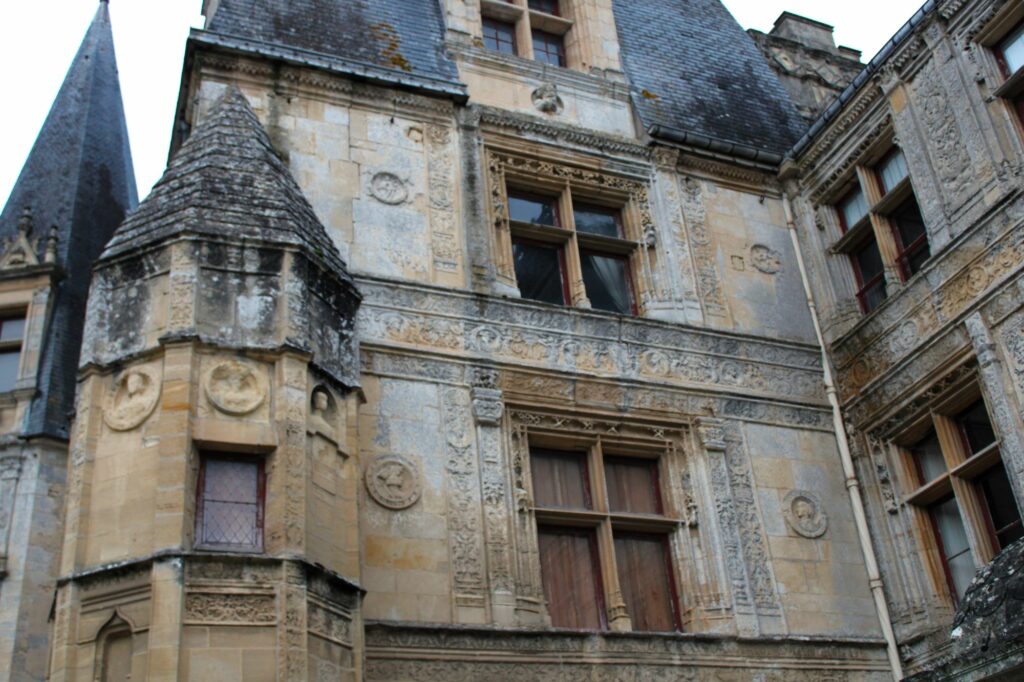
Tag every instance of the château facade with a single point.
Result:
(527, 340)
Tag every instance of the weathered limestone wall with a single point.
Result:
(455, 382)
(32, 478)
(953, 326)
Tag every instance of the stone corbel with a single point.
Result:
(712, 434)
(488, 406)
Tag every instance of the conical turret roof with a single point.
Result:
(79, 179)
(227, 181)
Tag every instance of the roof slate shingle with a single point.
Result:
(693, 68)
(401, 37)
(227, 181)
(79, 178)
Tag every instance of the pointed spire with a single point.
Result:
(227, 181)
(79, 178)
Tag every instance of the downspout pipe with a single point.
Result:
(850, 474)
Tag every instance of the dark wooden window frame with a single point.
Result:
(573, 241)
(607, 523)
(261, 486)
(529, 21)
(958, 482)
(881, 203)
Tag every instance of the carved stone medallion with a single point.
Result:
(393, 482)
(804, 513)
(132, 400)
(765, 259)
(388, 188)
(235, 388)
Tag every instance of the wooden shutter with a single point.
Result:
(560, 479)
(646, 582)
(632, 485)
(572, 577)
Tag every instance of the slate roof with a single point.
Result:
(398, 41)
(694, 70)
(227, 181)
(79, 178)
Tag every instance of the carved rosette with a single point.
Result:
(804, 513)
(393, 482)
(236, 388)
(132, 400)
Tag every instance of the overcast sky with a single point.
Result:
(39, 38)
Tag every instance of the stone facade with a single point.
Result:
(948, 330)
(324, 287)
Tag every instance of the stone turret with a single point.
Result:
(804, 55)
(211, 510)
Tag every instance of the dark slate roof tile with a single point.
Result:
(403, 37)
(693, 68)
(227, 181)
(79, 178)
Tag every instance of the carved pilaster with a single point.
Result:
(696, 232)
(1005, 417)
(464, 507)
(488, 409)
(10, 471)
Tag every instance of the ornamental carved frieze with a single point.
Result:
(571, 341)
(229, 607)
(393, 481)
(235, 387)
(132, 399)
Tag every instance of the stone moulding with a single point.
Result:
(521, 334)
(398, 652)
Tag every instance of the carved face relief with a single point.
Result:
(546, 99)
(235, 388)
(393, 482)
(804, 514)
(388, 188)
(765, 259)
(132, 400)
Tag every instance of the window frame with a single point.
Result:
(528, 20)
(878, 225)
(13, 346)
(607, 524)
(960, 482)
(261, 496)
(574, 243)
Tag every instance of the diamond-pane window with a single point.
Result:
(230, 505)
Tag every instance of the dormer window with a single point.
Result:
(12, 334)
(532, 29)
(500, 36)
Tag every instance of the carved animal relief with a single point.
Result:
(388, 188)
(393, 482)
(132, 400)
(236, 388)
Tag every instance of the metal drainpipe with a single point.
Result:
(852, 484)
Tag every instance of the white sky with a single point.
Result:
(39, 38)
